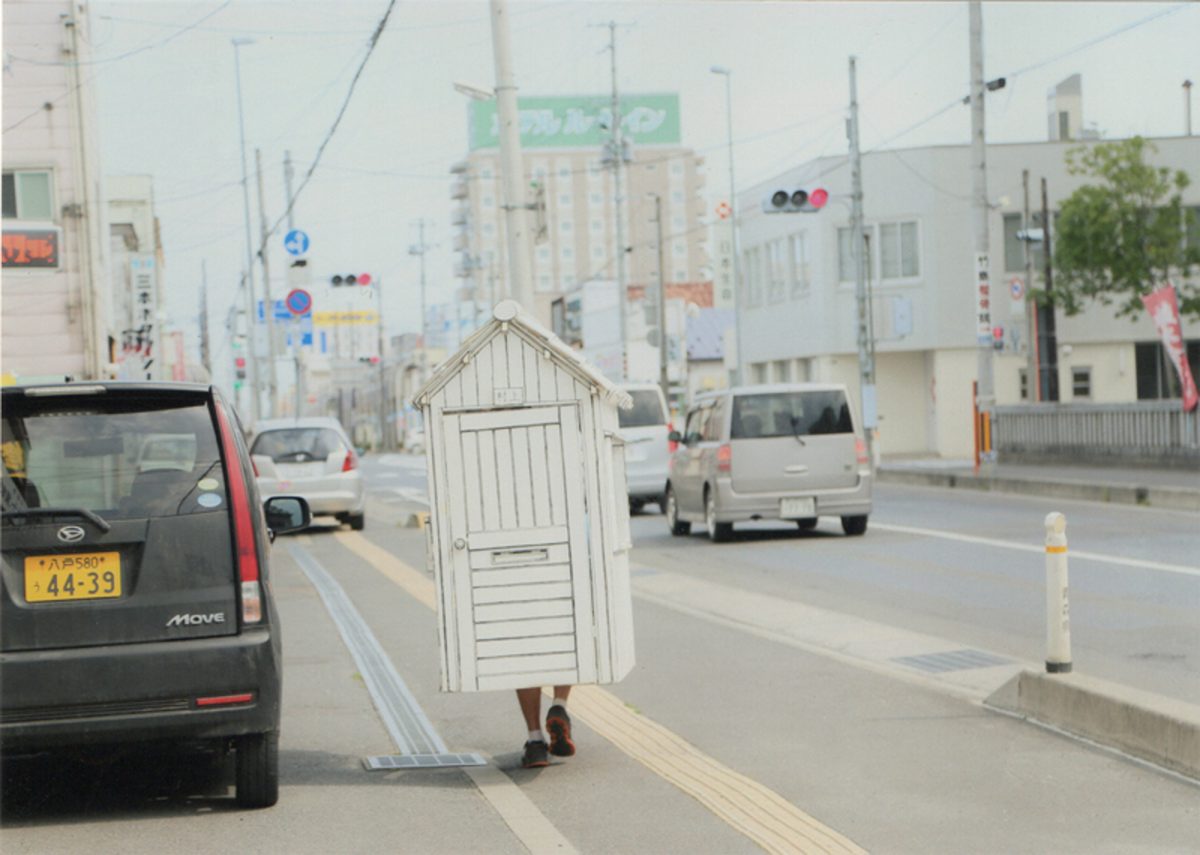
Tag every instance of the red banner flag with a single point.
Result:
(1164, 310)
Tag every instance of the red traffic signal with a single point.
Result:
(239, 362)
(339, 279)
(798, 200)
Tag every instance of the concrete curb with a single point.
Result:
(1159, 730)
(1171, 498)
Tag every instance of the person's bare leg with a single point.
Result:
(531, 708)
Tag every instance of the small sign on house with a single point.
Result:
(529, 525)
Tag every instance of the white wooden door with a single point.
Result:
(519, 560)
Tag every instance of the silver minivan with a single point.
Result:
(775, 452)
(645, 429)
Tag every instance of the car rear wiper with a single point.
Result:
(91, 516)
(796, 431)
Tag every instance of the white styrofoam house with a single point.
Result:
(529, 525)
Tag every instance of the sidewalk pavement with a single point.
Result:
(1174, 489)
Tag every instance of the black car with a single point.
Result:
(136, 602)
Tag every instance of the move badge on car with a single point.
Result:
(81, 576)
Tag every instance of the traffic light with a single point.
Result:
(239, 365)
(998, 337)
(372, 360)
(340, 279)
(797, 200)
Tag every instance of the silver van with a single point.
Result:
(775, 452)
(645, 428)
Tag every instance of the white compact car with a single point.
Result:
(312, 458)
(644, 428)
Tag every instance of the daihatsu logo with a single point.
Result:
(196, 620)
(70, 534)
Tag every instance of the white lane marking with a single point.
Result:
(520, 814)
(1026, 547)
(412, 494)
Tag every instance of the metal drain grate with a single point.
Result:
(952, 660)
(422, 761)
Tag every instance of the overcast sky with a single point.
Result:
(164, 72)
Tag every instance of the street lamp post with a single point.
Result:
(251, 361)
(738, 373)
(663, 378)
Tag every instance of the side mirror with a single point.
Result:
(674, 436)
(286, 514)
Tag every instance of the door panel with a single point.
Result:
(519, 546)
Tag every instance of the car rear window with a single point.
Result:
(790, 414)
(647, 410)
(119, 457)
(299, 445)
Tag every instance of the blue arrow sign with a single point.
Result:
(296, 242)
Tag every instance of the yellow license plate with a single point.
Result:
(80, 576)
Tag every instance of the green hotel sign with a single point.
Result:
(580, 122)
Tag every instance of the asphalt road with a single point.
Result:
(781, 701)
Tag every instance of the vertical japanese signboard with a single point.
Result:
(142, 338)
(983, 300)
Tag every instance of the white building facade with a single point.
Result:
(798, 292)
(56, 274)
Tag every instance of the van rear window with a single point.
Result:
(790, 414)
(119, 457)
(647, 410)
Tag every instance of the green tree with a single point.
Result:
(1125, 234)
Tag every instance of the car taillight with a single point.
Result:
(725, 458)
(350, 463)
(860, 449)
(243, 524)
(671, 444)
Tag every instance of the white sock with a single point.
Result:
(560, 702)
(537, 736)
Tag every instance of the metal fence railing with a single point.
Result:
(1142, 432)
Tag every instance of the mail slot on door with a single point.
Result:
(520, 556)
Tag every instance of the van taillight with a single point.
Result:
(243, 523)
(671, 444)
(350, 463)
(725, 458)
(860, 449)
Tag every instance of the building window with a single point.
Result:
(1014, 248)
(679, 248)
(564, 199)
(27, 195)
(597, 252)
(798, 250)
(752, 264)
(677, 223)
(898, 250)
(597, 225)
(488, 201)
(677, 197)
(680, 275)
(565, 226)
(486, 172)
(676, 167)
(1023, 378)
(567, 252)
(1156, 375)
(543, 253)
(596, 198)
(759, 372)
(776, 288)
(782, 371)
(1081, 382)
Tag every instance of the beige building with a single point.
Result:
(56, 303)
(568, 165)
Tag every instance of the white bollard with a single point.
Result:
(1058, 616)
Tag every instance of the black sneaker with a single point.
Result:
(558, 723)
(535, 755)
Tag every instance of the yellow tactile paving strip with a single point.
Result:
(752, 809)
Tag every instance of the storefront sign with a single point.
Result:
(31, 248)
(580, 121)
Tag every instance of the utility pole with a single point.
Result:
(419, 248)
(287, 187)
(516, 220)
(617, 153)
(205, 354)
(1032, 383)
(251, 349)
(1048, 340)
(985, 395)
(663, 380)
(268, 303)
(866, 366)
(1187, 107)
(383, 398)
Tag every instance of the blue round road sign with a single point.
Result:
(296, 242)
(299, 301)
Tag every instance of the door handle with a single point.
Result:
(459, 543)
